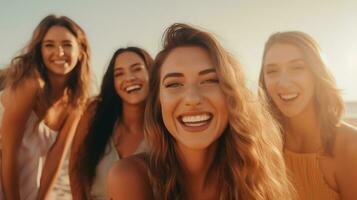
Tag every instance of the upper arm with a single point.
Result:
(128, 180)
(81, 131)
(79, 136)
(346, 158)
(18, 104)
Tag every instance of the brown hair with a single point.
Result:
(109, 109)
(327, 99)
(249, 161)
(30, 63)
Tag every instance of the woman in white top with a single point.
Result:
(46, 88)
(112, 126)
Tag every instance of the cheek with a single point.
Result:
(117, 84)
(168, 105)
(309, 84)
(75, 54)
(269, 85)
(145, 78)
(44, 54)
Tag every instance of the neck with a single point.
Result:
(133, 117)
(58, 87)
(197, 165)
(303, 131)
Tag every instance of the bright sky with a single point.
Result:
(242, 26)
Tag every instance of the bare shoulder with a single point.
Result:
(20, 100)
(346, 141)
(128, 179)
(25, 91)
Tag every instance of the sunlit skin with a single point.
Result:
(131, 85)
(131, 78)
(190, 91)
(60, 54)
(288, 79)
(60, 51)
(291, 85)
(194, 111)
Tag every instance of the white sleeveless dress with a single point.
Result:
(37, 140)
(99, 187)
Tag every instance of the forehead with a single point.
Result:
(282, 53)
(188, 59)
(59, 33)
(127, 59)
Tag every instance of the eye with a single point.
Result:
(298, 67)
(137, 69)
(67, 45)
(48, 45)
(117, 74)
(173, 85)
(271, 71)
(210, 81)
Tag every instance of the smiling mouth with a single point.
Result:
(59, 62)
(195, 121)
(133, 88)
(289, 97)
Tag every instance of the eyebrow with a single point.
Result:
(296, 60)
(291, 61)
(207, 71)
(63, 41)
(132, 65)
(176, 74)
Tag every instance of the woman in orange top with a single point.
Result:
(320, 150)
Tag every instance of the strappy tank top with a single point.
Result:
(36, 142)
(306, 175)
(99, 187)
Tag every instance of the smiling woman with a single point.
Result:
(209, 136)
(112, 126)
(45, 93)
(320, 150)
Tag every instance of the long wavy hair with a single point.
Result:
(108, 111)
(249, 158)
(3, 74)
(327, 97)
(29, 64)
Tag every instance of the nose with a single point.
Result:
(192, 96)
(129, 77)
(60, 51)
(284, 80)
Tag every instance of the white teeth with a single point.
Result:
(59, 62)
(288, 96)
(132, 87)
(195, 118)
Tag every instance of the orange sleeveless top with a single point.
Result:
(305, 173)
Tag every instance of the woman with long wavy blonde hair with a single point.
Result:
(210, 137)
(46, 89)
(320, 150)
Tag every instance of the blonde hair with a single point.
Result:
(249, 158)
(29, 63)
(327, 98)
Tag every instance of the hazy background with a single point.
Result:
(242, 27)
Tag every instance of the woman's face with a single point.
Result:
(288, 79)
(60, 51)
(131, 78)
(194, 108)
